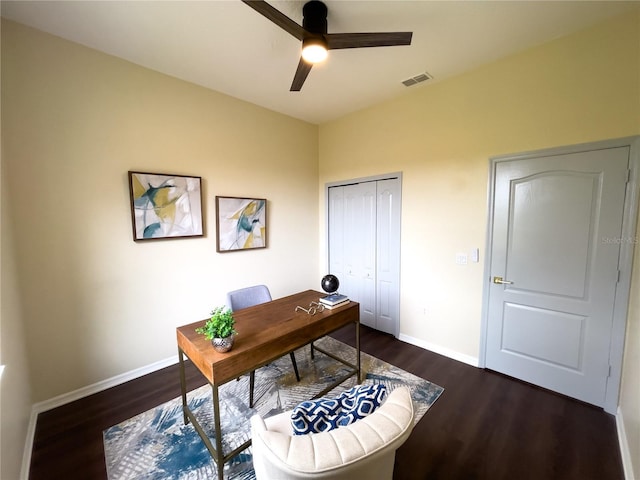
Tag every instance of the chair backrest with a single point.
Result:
(248, 297)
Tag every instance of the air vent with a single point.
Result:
(417, 79)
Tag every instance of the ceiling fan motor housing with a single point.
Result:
(314, 17)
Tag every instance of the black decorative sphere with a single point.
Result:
(330, 283)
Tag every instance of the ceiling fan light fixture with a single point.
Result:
(314, 49)
(316, 40)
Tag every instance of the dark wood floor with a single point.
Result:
(484, 426)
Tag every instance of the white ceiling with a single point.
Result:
(228, 47)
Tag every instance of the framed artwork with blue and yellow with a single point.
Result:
(165, 206)
(241, 223)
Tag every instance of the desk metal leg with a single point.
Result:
(358, 352)
(183, 386)
(216, 418)
(215, 451)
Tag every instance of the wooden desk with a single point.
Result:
(266, 332)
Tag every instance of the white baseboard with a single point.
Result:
(65, 398)
(461, 357)
(102, 385)
(624, 447)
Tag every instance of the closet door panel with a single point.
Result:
(388, 256)
(349, 282)
(368, 310)
(336, 232)
(360, 241)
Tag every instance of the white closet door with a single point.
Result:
(364, 248)
(388, 256)
(336, 234)
(360, 248)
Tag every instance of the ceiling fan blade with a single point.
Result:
(277, 17)
(301, 75)
(358, 40)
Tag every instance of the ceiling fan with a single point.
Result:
(315, 39)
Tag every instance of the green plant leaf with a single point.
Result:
(220, 325)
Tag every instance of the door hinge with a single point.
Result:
(628, 175)
(619, 276)
(609, 372)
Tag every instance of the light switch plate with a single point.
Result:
(461, 258)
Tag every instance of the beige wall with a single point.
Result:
(94, 304)
(582, 88)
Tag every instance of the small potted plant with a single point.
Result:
(219, 329)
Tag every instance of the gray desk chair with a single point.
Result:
(248, 297)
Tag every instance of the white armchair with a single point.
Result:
(364, 449)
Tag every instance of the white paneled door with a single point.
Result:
(556, 235)
(360, 248)
(364, 248)
(388, 256)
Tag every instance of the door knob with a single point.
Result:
(500, 281)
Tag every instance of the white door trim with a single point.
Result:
(625, 264)
(373, 178)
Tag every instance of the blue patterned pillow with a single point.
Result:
(324, 414)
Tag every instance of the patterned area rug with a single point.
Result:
(158, 445)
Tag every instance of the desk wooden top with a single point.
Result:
(265, 333)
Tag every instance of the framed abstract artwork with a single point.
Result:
(165, 206)
(241, 223)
